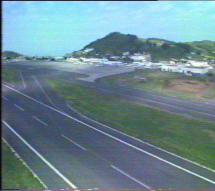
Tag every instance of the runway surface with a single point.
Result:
(190, 109)
(68, 150)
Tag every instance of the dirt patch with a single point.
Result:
(210, 133)
(122, 82)
(190, 86)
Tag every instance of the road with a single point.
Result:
(190, 109)
(66, 149)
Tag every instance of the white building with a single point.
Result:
(187, 70)
(148, 65)
(59, 58)
(140, 57)
(198, 63)
(172, 62)
(114, 63)
(125, 53)
(95, 61)
(156, 65)
(171, 68)
(195, 70)
(91, 60)
(88, 50)
(138, 63)
(115, 57)
(20, 58)
(71, 59)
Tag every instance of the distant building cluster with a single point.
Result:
(187, 67)
(136, 60)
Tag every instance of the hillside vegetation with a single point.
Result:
(117, 43)
(205, 47)
(11, 54)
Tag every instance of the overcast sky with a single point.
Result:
(55, 28)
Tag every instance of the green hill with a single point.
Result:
(11, 54)
(205, 47)
(117, 43)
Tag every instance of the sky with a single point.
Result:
(54, 28)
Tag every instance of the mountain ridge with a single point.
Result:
(116, 44)
(11, 54)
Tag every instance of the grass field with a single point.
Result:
(14, 174)
(193, 139)
(167, 83)
(11, 76)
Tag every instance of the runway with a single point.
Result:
(204, 110)
(68, 150)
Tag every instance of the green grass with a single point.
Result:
(158, 82)
(14, 174)
(193, 139)
(10, 75)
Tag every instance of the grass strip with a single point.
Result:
(15, 174)
(193, 139)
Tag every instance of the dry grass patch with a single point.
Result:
(190, 86)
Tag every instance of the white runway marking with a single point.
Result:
(38, 83)
(40, 156)
(114, 138)
(42, 122)
(130, 177)
(23, 81)
(74, 110)
(161, 149)
(25, 164)
(176, 107)
(70, 140)
(4, 98)
(9, 84)
(165, 104)
(20, 108)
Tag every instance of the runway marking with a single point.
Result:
(176, 107)
(37, 119)
(4, 98)
(40, 156)
(23, 81)
(113, 137)
(20, 108)
(38, 83)
(146, 143)
(74, 110)
(25, 164)
(70, 140)
(132, 178)
(161, 103)
(9, 84)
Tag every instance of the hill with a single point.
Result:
(117, 43)
(205, 48)
(11, 54)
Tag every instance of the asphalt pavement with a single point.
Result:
(66, 149)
